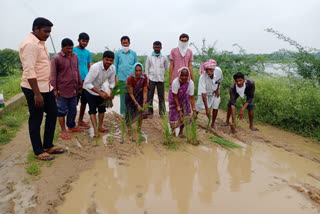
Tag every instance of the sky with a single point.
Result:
(220, 23)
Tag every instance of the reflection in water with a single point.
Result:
(191, 181)
(239, 167)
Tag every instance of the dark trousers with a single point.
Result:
(35, 120)
(160, 90)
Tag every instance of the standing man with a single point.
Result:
(124, 61)
(84, 58)
(95, 90)
(156, 65)
(67, 84)
(180, 56)
(241, 87)
(36, 87)
(208, 89)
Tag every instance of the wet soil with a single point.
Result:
(274, 171)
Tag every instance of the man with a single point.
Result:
(84, 58)
(241, 87)
(180, 57)
(67, 84)
(156, 65)
(36, 87)
(95, 91)
(208, 89)
(124, 61)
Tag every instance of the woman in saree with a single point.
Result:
(136, 98)
(181, 100)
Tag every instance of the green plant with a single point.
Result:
(111, 134)
(209, 121)
(167, 135)
(123, 129)
(194, 137)
(33, 169)
(224, 143)
(119, 88)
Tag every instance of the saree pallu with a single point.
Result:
(184, 101)
(132, 112)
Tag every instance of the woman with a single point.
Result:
(136, 98)
(180, 96)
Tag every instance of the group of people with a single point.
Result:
(56, 87)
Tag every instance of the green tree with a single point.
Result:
(9, 62)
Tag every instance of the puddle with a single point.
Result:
(254, 179)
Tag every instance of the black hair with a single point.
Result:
(238, 75)
(41, 22)
(108, 54)
(66, 42)
(157, 43)
(185, 70)
(184, 35)
(83, 36)
(124, 38)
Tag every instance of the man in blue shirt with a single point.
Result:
(124, 61)
(84, 57)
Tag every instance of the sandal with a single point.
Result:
(83, 124)
(64, 136)
(44, 157)
(75, 129)
(55, 150)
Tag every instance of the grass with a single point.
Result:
(33, 165)
(10, 86)
(11, 121)
(224, 143)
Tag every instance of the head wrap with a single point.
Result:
(184, 68)
(134, 69)
(208, 64)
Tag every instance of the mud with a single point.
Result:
(105, 177)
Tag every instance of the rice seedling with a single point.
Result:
(111, 134)
(123, 129)
(119, 88)
(146, 107)
(194, 137)
(168, 138)
(130, 126)
(209, 121)
(224, 143)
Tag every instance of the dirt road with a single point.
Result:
(273, 167)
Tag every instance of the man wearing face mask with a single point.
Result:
(123, 62)
(180, 56)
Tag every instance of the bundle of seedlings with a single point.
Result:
(224, 143)
(167, 136)
(119, 88)
(191, 130)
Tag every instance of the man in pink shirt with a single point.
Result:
(67, 85)
(36, 87)
(180, 56)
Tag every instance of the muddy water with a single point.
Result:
(203, 179)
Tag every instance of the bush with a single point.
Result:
(289, 103)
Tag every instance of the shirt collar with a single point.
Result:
(64, 55)
(35, 39)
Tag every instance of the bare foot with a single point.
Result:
(254, 129)
(103, 130)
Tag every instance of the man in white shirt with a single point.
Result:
(95, 91)
(156, 65)
(208, 89)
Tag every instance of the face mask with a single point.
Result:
(125, 49)
(183, 47)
